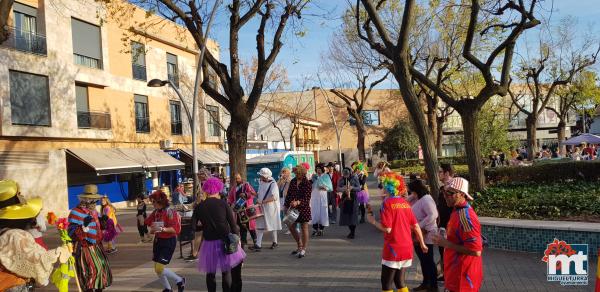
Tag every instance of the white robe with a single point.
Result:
(318, 207)
(271, 220)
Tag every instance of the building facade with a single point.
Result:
(73, 87)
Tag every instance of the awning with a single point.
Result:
(209, 156)
(126, 160)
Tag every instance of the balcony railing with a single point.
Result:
(139, 72)
(26, 41)
(142, 125)
(176, 128)
(174, 78)
(93, 120)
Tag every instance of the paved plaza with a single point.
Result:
(333, 263)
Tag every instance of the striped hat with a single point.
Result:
(462, 185)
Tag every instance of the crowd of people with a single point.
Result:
(410, 219)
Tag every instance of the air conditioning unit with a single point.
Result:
(166, 144)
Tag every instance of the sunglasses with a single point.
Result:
(450, 193)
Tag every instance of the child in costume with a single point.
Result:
(91, 263)
(141, 217)
(23, 262)
(361, 172)
(109, 224)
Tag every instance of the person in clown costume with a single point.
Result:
(91, 262)
(398, 224)
(24, 263)
(361, 172)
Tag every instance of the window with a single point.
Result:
(371, 117)
(138, 61)
(172, 72)
(29, 99)
(83, 110)
(87, 48)
(213, 79)
(142, 116)
(25, 35)
(175, 117)
(214, 129)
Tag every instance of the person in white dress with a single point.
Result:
(318, 200)
(268, 198)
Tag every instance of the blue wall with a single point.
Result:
(115, 190)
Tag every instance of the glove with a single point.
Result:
(87, 220)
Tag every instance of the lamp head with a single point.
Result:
(157, 83)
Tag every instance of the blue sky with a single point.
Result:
(302, 55)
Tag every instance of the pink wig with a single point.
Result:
(212, 186)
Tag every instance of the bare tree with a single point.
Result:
(346, 68)
(500, 22)
(272, 20)
(556, 65)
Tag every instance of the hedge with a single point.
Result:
(547, 172)
(541, 172)
(416, 162)
(551, 201)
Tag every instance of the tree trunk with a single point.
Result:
(5, 6)
(237, 134)
(432, 119)
(561, 130)
(413, 106)
(360, 143)
(531, 125)
(439, 136)
(470, 117)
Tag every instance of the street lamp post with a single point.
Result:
(337, 131)
(193, 115)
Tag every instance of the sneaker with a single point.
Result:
(440, 278)
(362, 220)
(167, 290)
(332, 222)
(255, 248)
(301, 254)
(320, 233)
(287, 232)
(181, 285)
(295, 252)
(350, 236)
(274, 245)
(315, 233)
(111, 251)
(190, 258)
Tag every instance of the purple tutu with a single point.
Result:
(212, 258)
(362, 197)
(110, 233)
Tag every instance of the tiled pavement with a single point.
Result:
(333, 263)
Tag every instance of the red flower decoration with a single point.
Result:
(62, 224)
(558, 247)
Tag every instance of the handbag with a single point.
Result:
(231, 241)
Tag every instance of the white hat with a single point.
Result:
(265, 172)
(462, 185)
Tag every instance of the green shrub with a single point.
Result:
(402, 163)
(546, 172)
(460, 170)
(548, 201)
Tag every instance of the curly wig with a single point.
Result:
(160, 197)
(212, 186)
(393, 183)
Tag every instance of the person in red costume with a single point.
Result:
(463, 266)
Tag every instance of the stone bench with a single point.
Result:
(534, 235)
